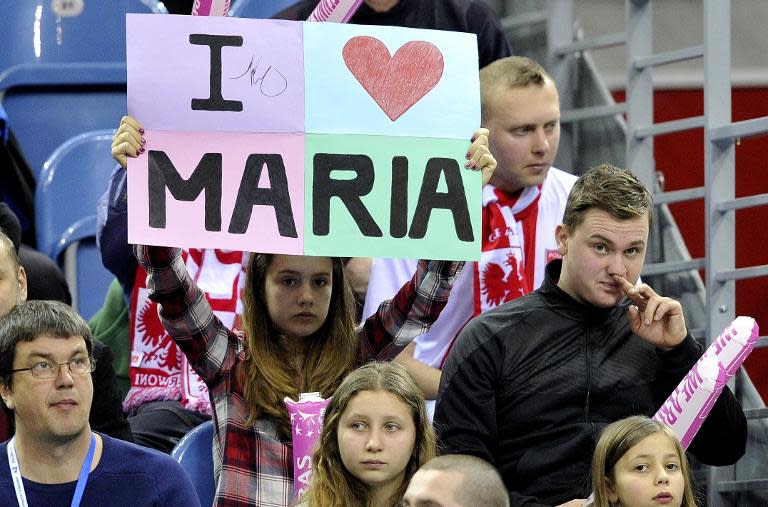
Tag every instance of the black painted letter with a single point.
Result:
(349, 191)
(453, 200)
(216, 102)
(276, 196)
(398, 204)
(163, 174)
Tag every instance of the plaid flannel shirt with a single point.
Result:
(252, 465)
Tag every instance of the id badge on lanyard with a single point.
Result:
(18, 483)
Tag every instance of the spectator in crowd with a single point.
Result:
(456, 480)
(55, 459)
(44, 278)
(529, 385)
(106, 412)
(375, 436)
(299, 336)
(522, 206)
(639, 461)
(472, 16)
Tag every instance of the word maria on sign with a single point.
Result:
(303, 138)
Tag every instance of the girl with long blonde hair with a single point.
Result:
(375, 436)
(639, 461)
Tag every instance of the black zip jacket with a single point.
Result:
(530, 385)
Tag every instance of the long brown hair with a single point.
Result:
(332, 485)
(618, 438)
(267, 375)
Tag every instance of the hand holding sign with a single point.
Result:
(479, 155)
(302, 138)
(656, 319)
(127, 141)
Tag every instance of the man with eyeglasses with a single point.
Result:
(55, 459)
(106, 410)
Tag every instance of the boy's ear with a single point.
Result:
(613, 497)
(561, 238)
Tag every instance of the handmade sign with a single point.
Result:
(303, 138)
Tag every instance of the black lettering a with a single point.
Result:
(206, 176)
(216, 101)
(251, 195)
(349, 191)
(454, 199)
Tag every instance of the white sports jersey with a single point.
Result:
(388, 275)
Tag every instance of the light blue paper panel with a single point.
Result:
(336, 102)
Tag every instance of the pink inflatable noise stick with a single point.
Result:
(688, 406)
(210, 7)
(335, 11)
(307, 416)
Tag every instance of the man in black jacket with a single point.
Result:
(530, 385)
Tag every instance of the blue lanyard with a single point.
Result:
(18, 485)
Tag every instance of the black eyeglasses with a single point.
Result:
(48, 369)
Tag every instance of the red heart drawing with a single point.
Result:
(395, 82)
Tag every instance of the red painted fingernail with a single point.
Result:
(472, 164)
(469, 155)
(143, 141)
(141, 150)
(141, 130)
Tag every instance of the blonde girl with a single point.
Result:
(375, 436)
(639, 462)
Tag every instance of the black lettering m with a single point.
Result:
(206, 176)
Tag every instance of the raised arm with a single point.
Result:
(410, 313)
(187, 316)
(112, 208)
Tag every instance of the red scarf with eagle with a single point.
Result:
(158, 369)
(509, 238)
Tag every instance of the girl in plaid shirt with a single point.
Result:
(299, 336)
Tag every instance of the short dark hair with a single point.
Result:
(616, 191)
(507, 73)
(32, 319)
(481, 484)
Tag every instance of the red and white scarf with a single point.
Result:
(158, 369)
(509, 238)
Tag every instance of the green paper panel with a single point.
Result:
(362, 169)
